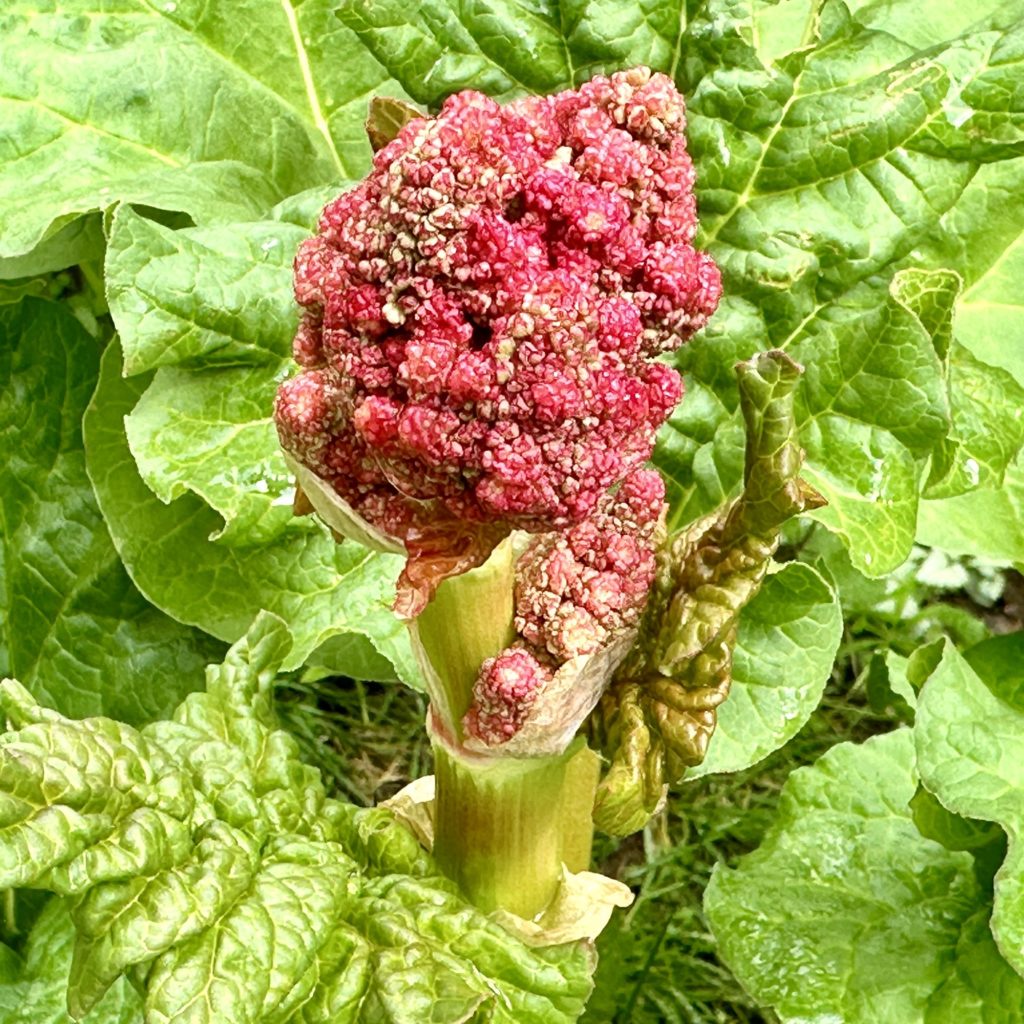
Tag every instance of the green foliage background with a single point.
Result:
(860, 173)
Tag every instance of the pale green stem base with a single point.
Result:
(503, 826)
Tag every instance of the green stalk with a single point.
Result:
(470, 619)
(503, 826)
(502, 829)
(582, 774)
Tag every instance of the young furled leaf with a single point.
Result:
(659, 715)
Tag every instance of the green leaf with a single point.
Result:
(215, 109)
(946, 19)
(322, 589)
(74, 628)
(204, 858)
(213, 309)
(870, 482)
(36, 991)
(787, 642)
(908, 675)
(201, 298)
(81, 241)
(986, 230)
(982, 986)
(953, 831)
(700, 453)
(846, 912)
(970, 748)
(877, 365)
(988, 427)
(1000, 657)
(984, 233)
(872, 405)
(985, 523)
(212, 434)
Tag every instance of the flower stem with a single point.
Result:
(470, 619)
(503, 826)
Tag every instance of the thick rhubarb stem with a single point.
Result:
(502, 829)
(469, 620)
(503, 826)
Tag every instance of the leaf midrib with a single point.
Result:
(322, 130)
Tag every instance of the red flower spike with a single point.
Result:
(482, 311)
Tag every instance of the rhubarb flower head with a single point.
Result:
(483, 315)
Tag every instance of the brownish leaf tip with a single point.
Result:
(301, 505)
(386, 118)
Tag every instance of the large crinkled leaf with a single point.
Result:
(216, 109)
(72, 625)
(847, 913)
(34, 990)
(983, 236)
(438, 48)
(970, 750)
(203, 858)
(986, 233)
(785, 648)
(321, 588)
(813, 238)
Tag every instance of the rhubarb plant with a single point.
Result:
(495, 349)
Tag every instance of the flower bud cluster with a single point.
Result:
(576, 591)
(483, 313)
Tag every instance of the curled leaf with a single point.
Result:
(386, 118)
(440, 548)
(344, 522)
(660, 713)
